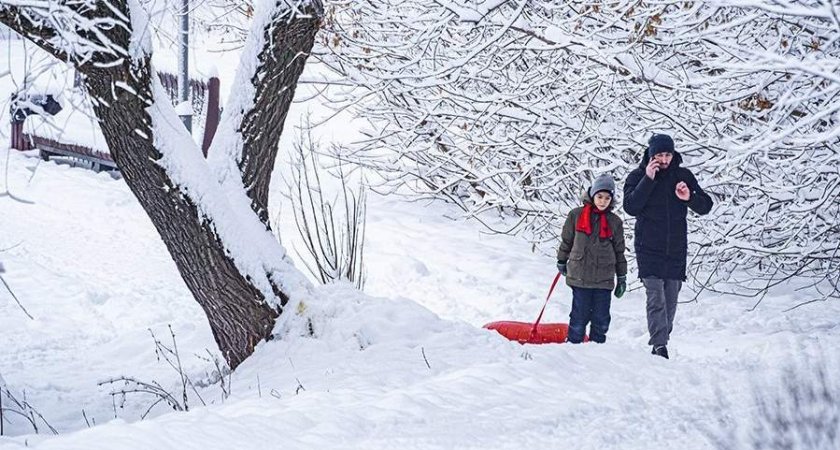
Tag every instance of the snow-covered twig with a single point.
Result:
(23, 409)
(332, 229)
(8, 288)
(510, 119)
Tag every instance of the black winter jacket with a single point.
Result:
(661, 232)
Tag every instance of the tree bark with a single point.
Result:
(281, 66)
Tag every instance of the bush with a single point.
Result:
(801, 410)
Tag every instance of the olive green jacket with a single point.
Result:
(592, 262)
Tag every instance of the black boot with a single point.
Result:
(660, 350)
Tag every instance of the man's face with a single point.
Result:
(602, 200)
(664, 159)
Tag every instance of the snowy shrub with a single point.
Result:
(799, 411)
(177, 398)
(17, 412)
(332, 227)
(510, 107)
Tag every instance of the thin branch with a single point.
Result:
(15, 297)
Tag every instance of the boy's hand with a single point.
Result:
(561, 267)
(683, 193)
(621, 286)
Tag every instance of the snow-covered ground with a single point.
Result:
(404, 365)
(87, 264)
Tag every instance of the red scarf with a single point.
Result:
(584, 224)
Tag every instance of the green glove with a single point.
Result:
(561, 267)
(621, 286)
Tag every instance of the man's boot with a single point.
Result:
(660, 350)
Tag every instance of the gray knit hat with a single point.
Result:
(603, 182)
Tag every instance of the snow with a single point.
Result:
(141, 39)
(33, 72)
(556, 36)
(472, 11)
(90, 268)
(403, 365)
(74, 124)
(183, 109)
(229, 210)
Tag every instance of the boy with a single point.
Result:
(591, 256)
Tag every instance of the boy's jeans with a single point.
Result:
(589, 305)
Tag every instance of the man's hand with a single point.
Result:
(561, 267)
(620, 286)
(652, 168)
(682, 191)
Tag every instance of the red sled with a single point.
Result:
(524, 333)
(534, 333)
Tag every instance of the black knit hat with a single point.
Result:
(660, 143)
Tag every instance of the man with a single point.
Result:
(659, 193)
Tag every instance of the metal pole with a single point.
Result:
(183, 62)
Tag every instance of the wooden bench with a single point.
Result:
(203, 93)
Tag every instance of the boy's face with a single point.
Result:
(602, 200)
(664, 159)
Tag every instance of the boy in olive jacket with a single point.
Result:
(591, 256)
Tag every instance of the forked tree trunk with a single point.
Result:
(238, 312)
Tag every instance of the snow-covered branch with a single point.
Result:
(515, 107)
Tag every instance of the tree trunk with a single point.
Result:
(237, 311)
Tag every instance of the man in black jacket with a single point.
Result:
(659, 193)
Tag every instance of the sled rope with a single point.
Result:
(547, 298)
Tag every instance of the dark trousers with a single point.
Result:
(661, 308)
(589, 305)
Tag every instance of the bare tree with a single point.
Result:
(510, 106)
(212, 215)
(331, 226)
